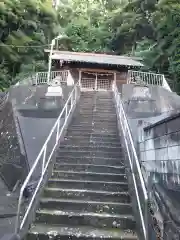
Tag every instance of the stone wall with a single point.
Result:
(160, 162)
(160, 148)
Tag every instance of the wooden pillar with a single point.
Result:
(96, 82)
(115, 77)
(80, 75)
(114, 82)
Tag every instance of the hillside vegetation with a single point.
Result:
(146, 28)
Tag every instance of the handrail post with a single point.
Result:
(17, 223)
(165, 84)
(66, 111)
(57, 134)
(72, 101)
(80, 76)
(36, 81)
(44, 159)
(146, 219)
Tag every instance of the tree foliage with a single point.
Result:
(24, 24)
(145, 28)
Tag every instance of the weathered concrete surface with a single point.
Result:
(149, 100)
(80, 198)
(159, 148)
(26, 118)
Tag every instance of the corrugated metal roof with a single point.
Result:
(96, 58)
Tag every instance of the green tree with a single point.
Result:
(24, 24)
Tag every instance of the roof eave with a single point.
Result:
(128, 65)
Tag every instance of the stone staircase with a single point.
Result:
(87, 195)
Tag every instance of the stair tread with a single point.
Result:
(64, 146)
(61, 200)
(81, 231)
(77, 142)
(87, 195)
(81, 151)
(89, 165)
(85, 181)
(91, 173)
(86, 190)
(69, 153)
(80, 214)
(92, 157)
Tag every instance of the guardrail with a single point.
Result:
(42, 77)
(137, 177)
(148, 78)
(44, 158)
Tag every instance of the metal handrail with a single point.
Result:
(148, 78)
(42, 77)
(72, 100)
(165, 84)
(133, 160)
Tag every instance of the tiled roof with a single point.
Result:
(96, 58)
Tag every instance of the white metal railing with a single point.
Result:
(148, 78)
(42, 77)
(44, 157)
(165, 84)
(137, 177)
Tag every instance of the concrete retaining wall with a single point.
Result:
(160, 150)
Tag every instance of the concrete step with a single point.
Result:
(95, 107)
(72, 218)
(87, 195)
(92, 138)
(64, 232)
(89, 176)
(93, 129)
(85, 131)
(96, 98)
(90, 168)
(96, 103)
(90, 119)
(92, 99)
(89, 185)
(98, 94)
(96, 115)
(90, 160)
(76, 142)
(80, 121)
(94, 112)
(94, 125)
(82, 154)
(93, 148)
(93, 134)
(85, 206)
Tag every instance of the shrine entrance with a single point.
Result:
(97, 81)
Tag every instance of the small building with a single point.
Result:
(95, 71)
